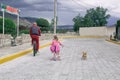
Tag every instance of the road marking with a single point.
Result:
(16, 55)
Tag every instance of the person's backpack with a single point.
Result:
(35, 30)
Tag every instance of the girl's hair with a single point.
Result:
(55, 37)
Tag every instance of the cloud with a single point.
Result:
(14, 3)
(66, 9)
(42, 5)
(63, 5)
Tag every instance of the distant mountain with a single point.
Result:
(26, 21)
(65, 27)
(112, 21)
(7, 15)
(30, 19)
(23, 21)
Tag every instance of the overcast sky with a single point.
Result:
(66, 9)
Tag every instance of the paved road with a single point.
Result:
(5, 51)
(103, 63)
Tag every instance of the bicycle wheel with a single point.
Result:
(34, 48)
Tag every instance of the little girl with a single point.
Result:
(55, 48)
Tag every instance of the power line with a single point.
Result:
(66, 8)
(79, 4)
(83, 4)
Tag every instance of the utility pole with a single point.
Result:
(3, 22)
(55, 4)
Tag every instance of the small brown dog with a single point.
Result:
(84, 55)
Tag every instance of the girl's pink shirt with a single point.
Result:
(56, 43)
(55, 46)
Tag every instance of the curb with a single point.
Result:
(82, 37)
(19, 54)
(115, 42)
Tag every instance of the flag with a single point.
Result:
(9, 9)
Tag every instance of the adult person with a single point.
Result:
(35, 32)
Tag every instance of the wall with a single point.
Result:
(96, 31)
(5, 40)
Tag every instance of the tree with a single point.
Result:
(88, 22)
(9, 28)
(97, 16)
(93, 17)
(78, 22)
(52, 23)
(43, 23)
(118, 30)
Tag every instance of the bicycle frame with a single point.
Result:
(34, 47)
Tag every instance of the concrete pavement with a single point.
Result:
(10, 53)
(103, 63)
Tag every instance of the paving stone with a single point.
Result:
(102, 63)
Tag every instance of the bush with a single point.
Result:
(62, 30)
(24, 32)
(9, 28)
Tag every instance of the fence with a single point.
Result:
(7, 40)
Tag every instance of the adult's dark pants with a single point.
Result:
(36, 38)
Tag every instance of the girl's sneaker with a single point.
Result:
(58, 58)
(54, 59)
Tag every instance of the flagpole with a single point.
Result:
(18, 24)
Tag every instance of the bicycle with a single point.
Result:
(34, 47)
